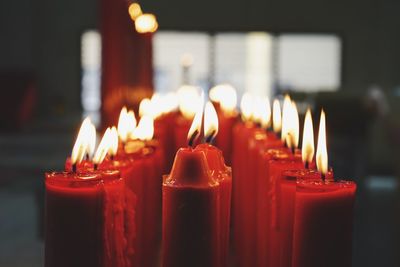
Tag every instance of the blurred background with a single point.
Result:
(62, 60)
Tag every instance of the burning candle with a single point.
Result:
(84, 213)
(224, 98)
(190, 208)
(323, 218)
(189, 102)
(140, 162)
(220, 173)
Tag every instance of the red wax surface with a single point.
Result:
(322, 234)
(190, 213)
(223, 175)
(164, 132)
(240, 160)
(224, 138)
(84, 219)
(286, 211)
(141, 168)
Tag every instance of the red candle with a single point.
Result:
(190, 213)
(224, 98)
(222, 174)
(142, 163)
(323, 223)
(84, 219)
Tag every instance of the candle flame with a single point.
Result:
(266, 113)
(210, 121)
(226, 96)
(104, 147)
(246, 106)
(134, 11)
(145, 129)
(292, 138)
(126, 124)
(146, 23)
(286, 109)
(113, 141)
(276, 116)
(145, 107)
(188, 97)
(84, 144)
(307, 151)
(195, 128)
(322, 153)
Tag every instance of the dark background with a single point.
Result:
(40, 44)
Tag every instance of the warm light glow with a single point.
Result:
(126, 124)
(113, 149)
(195, 128)
(145, 129)
(276, 116)
(292, 138)
(145, 107)
(84, 144)
(188, 101)
(104, 147)
(258, 111)
(146, 23)
(307, 150)
(246, 106)
(266, 113)
(187, 60)
(171, 102)
(287, 104)
(210, 121)
(322, 153)
(134, 10)
(225, 95)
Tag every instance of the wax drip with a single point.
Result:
(192, 138)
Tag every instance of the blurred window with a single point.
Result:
(91, 74)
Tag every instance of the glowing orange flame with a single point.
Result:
(307, 150)
(146, 23)
(266, 113)
(286, 109)
(276, 116)
(226, 96)
(145, 129)
(134, 11)
(322, 153)
(113, 141)
(246, 106)
(126, 124)
(145, 107)
(210, 121)
(195, 128)
(84, 142)
(104, 147)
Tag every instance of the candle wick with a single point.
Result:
(112, 157)
(210, 138)
(293, 150)
(74, 167)
(323, 177)
(192, 138)
(95, 166)
(307, 165)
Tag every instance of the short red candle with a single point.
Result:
(287, 186)
(84, 219)
(322, 233)
(223, 175)
(190, 213)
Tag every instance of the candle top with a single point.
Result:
(214, 158)
(306, 174)
(319, 186)
(190, 168)
(81, 179)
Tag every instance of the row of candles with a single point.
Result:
(113, 207)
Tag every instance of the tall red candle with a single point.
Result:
(84, 219)
(190, 212)
(322, 233)
(223, 175)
